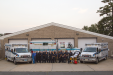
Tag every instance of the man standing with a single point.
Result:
(46, 56)
(37, 57)
(50, 56)
(66, 55)
(63, 56)
(40, 56)
(60, 56)
(53, 57)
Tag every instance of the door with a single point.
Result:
(82, 42)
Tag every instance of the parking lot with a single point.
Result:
(105, 65)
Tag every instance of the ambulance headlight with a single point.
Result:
(17, 55)
(94, 54)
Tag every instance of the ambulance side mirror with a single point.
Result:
(97, 50)
(81, 49)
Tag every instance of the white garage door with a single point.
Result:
(41, 40)
(65, 42)
(82, 42)
(19, 41)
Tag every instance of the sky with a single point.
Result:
(17, 15)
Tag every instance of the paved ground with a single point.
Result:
(105, 65)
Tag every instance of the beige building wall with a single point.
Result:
(1, 49)
(57, 32)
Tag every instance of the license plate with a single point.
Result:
(86, 59)
(25, 60)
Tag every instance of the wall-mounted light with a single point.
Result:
(77, 33)
(27, 34)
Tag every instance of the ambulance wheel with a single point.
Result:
(97, 60)
(30, 62)
(81, 61)
(15, 62)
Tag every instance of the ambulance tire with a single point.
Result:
(30, 62)
(81, 61)
(97, 60)
(15, 62)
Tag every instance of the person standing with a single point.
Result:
(40, 56)
(50, 56)
(70, 54)
(60, 56)
(63, 56)
(66, 55)
(53, 57)
(37, 57)
(46, 56)
(56, 57)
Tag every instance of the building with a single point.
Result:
(55, 31)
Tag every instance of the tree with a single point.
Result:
(85, 28)
(92, 28)
(105, 25)
(1, 34)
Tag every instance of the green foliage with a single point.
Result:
(1, 34)
(92, 28)
(105, 25)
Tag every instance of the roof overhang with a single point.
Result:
(58, 25)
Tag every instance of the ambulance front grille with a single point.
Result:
(86, 55)
(25, 56)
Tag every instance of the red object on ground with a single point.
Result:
(75, 62)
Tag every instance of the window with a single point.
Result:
(45, 43)
(62, 45)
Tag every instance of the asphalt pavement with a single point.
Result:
(59, 73)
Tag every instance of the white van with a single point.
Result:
(94, 52)
(17, 53)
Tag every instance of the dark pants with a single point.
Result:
(46, 59)
(53, 60)
(40, 59)
(50, 59)
(60, 59)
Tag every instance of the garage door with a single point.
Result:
(63, 43)
(82, 42)
(19, 41)
(41, 40)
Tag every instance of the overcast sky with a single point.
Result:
(17, 15)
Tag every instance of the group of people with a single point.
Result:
(52, 56)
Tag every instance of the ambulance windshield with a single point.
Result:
(21, 50)
(90, 49)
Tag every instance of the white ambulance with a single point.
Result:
(17, 53)
(94, 52)
(51, 45)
